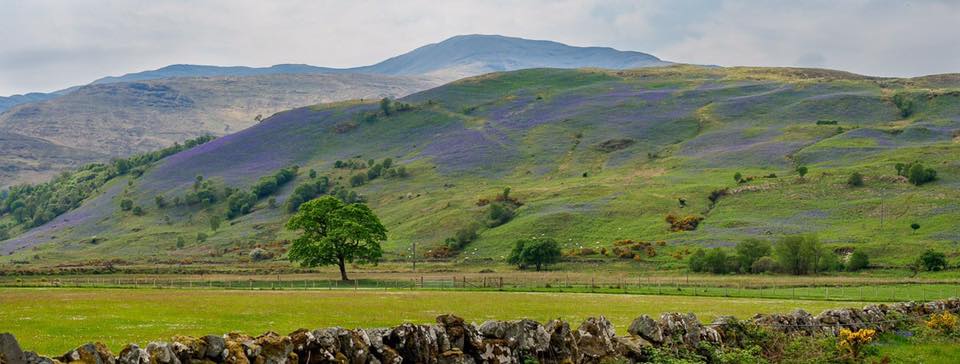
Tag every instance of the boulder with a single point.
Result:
(633, 348)
(95, 353)
(497, 351)
(686, 328)
(214, 347)
(188, 348)
(646, 328)
(274, 349)
(595, 340)
(10, 352)
(34, 358)
(525, 337)
(233, 352)
(563, 343)
(460, 335)
(133, 354)
(162, 353)
(382, 353)
(416, 343)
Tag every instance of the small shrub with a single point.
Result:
(945, 322)
(933, 261)
(851, 343)
(683, 223)
(138, 211)
(855, 180)
(126, 204)
(858, 261)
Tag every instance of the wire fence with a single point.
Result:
(882, 292)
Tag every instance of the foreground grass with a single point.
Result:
(52, 321)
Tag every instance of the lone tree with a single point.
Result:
(334, 232)
(802, 171)
(915, 227)
(535, 252)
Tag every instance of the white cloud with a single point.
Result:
(51, 44)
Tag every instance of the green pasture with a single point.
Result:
(54, 320)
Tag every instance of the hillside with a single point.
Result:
(142, 111)
(591, 156)
(108, 120)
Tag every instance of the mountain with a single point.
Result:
(138, 112)
(451, 59)
(191, 70)
(100, 121)
(592, 156)
(470, 55)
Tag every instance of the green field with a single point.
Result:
(52, 321)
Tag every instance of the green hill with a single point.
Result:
(591, 157)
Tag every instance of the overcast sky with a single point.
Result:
(47, 45)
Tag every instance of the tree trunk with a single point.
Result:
(343, 270)
(538, 267)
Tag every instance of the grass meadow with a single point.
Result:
(54, 320)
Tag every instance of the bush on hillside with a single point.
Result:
(535, 252)
(499, 213)
(463, 236)
(858, 261)
(855, 180)
(683, 223)
(933, 261)
(240, 203)
(916, 173)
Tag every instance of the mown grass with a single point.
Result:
(52, 321)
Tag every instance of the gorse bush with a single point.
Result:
(944, 322)
(683, 223)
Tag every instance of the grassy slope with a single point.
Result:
(52, 321)
(537, 131)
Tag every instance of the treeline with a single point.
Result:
(798, 255)
(374, 170)
(33, 205)
(241, 202)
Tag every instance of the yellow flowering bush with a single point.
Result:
(944, 322)
(851, 343)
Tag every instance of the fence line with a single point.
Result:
(682, 287)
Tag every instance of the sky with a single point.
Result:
(46, 45)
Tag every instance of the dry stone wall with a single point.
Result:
(453, 341)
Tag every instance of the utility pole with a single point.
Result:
(414, 255)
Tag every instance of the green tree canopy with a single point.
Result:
(333, 232)
(535, 252)
(933, 261)
(748, 251)
(799, 254)
(858, 260)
